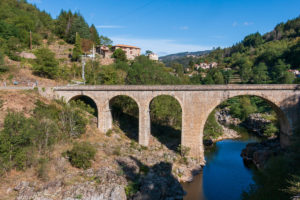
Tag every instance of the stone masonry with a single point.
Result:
(197, 102)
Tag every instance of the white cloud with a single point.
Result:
(159, 46)
(184, 28)
(248, 23)
(34, 1)
(234, 24)
(109, 26)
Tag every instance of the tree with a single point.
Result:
(94, 35)
(218, 77)
(119, 55)
(260, 74)
(105, 41)
(77, 51)
(45, 64)
(79, 26)
(245, 70)
(280, 73)
(148, 52)
(253, 40)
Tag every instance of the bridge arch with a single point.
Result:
(285, 126)
(124, 109)
(87, 100)
(169, 129)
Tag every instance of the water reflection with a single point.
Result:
(225, 176)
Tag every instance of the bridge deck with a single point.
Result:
(178, 87)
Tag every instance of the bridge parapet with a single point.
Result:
(197, 102)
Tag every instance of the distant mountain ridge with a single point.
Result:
(183, 54)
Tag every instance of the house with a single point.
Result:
(206, 65)
(106, 52)
(153, 56)
(131, 51)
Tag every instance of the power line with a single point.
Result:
(123, 16)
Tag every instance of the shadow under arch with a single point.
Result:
(88, 101)
(166, 120)
(284, 124)
(125, 111)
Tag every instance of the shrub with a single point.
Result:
(46, 65)
(43, 169)
(81, 155)
(131, 189)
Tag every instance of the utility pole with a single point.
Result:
(83, 66)
(30, 41)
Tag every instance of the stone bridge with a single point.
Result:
(197, 102)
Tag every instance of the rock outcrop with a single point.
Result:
(259, 153)
(256, 123)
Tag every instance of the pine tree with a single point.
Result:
(77, 51)
(94, 35)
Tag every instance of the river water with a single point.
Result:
(225, 176)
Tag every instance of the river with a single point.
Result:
(225, 176)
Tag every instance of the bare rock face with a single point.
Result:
(259, 153)
(89, 192)
(224, 118)
(102, 184)
(256, 123)
(159, 184)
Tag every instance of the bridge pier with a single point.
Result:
(144, 126)
(197, 102)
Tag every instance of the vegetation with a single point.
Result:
(280, 178)
(77, 51)
(24, 141)
(212, 129)
(81, 154)
(45, 64)
(119, 55)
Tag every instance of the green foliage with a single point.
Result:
(16, 142)
(43, 169)
(212, 129)
(105, 41)
(260, 74)
(45, 64)
(262, 59)
(253, 40)
(241, 107)
(166, 110)
(119, 55)
(131, 188)
(81, 154)
(270, 130)
(77, 51)
(94, 35)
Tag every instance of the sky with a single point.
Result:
(172, 26)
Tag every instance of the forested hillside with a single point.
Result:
(263, 58)
(19, 20)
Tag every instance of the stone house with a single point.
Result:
(153, 56)
(131, 51)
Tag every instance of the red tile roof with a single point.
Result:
(126, 46)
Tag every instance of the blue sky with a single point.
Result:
(170, 26)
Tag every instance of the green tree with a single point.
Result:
(260, 74)
(218, 77)
(45, 64)
(81, 154)
(94, 35)
(119, 55)
(105, 41)
(79, 26)
(280, 73)
(245, 70)
(77, 51)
